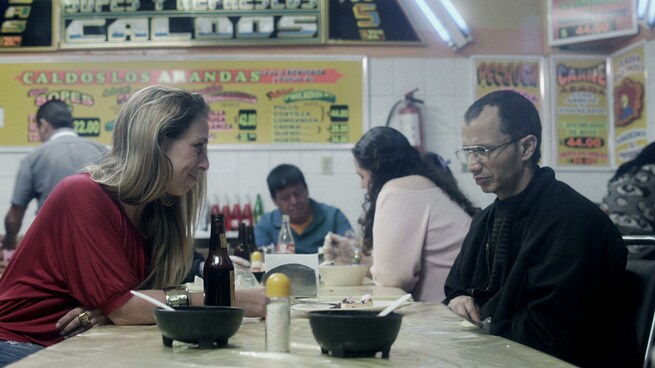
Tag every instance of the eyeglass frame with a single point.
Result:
(468, 150)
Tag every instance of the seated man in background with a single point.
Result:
(310, 220)
(62, 154)
(542, 265)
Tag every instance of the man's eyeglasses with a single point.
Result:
(479, 152)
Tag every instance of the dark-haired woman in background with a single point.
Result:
(630, 200)
(415, 217)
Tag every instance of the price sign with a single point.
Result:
(87, 127)
(573, 21)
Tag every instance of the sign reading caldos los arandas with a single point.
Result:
(157, 23)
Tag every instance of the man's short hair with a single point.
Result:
(283, 176)
(518, 116)
(55, 112)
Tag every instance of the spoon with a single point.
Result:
(394, 305)
(151, 300)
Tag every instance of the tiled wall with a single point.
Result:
(443, 83)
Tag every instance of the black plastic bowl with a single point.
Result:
(354, 333)
(208, 327)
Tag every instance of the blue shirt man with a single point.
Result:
(310, 220)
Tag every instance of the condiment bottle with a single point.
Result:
(285, 243)
(242, 250)
(246, 214)
(256, 261)
(278, 319)
(258, 210)
(236, 214)
(252, 244)
(218, 271)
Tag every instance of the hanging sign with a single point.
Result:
(573, 21)
(26, 25)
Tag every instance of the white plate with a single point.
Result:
(378, 306)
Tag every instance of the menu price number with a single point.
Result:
(247, 119)
(87, 127)
(247, 137)
(339, 138)
(583, 142)
(339, 128)
(339, 113)
(586, 29)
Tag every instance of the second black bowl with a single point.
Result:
(345, 333)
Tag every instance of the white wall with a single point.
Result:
(444, 84)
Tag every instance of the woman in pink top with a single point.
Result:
(415, 218)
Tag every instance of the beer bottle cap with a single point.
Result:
(256, 256)
(278, 286)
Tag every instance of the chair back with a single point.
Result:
(642, 275)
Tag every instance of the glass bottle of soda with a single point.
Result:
(219, 270)
(242, 250)
(285, 243)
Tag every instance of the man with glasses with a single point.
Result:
(310, 220)
(542, 265)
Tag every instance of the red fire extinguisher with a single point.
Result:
(409, 120)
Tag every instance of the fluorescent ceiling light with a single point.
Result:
(454, 14)
(436, 24)
(651, 14)
(641, 8)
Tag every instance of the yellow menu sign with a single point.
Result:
(252, 101)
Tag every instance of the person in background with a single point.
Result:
(62, 154)
(630, 200)
(310, 220)
(414, 219)
(124, 224)
(542, 265)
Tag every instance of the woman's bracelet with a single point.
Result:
(177, 296)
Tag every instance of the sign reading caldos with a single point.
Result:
(158, 23)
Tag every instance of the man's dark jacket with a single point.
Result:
(559, 273)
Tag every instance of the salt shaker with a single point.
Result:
(278, 317)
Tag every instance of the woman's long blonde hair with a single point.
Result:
(137, 171)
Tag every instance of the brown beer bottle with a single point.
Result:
(252, 244)
(241, 250)
(219, 270)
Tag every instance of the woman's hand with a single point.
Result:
(79, 320)
(253, 300)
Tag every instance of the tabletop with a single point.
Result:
(431, 335)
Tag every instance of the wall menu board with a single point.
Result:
(520, 74)
(26, 25)
(161, 23)
(628, 70)
(581, 111)
(253, 102)
(573, 21)
(372, 21)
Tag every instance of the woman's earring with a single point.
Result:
(167, 200)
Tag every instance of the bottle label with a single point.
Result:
(223, 240)
(286, 248)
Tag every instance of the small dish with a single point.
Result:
(378, 306)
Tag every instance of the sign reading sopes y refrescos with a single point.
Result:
(253, 102)
(161, 23)
(26, 25)
(573, 21)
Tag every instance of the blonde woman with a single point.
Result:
(126, 223)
